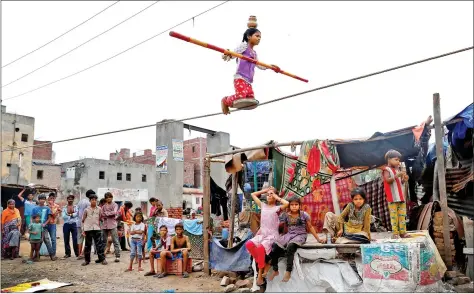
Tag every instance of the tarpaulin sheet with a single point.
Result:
(234, 259)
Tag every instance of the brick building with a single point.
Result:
(43, 170)
(194, 153)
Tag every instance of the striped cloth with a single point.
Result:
(378, 201)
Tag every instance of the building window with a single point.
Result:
(24, 137)
(119, 176)
(197, 200)
(144, 178)
(194, 149)
(128, 177)
(101, 175)
(39, 174)
(9, 165)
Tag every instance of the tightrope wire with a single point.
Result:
(261, 104)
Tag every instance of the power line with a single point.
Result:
(62, 34)
(79, 46)
(261, 104)
(118, 54)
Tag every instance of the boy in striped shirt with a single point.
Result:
(392, 183)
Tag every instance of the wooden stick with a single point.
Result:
(206, 207)
(233, 204)
(237, 55)
(439, 134)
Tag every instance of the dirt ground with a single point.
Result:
(98, 277)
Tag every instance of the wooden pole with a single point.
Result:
(233, 203)
(439, 134)
(206, 207)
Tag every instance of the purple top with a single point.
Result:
(245, 69)
(296, 230)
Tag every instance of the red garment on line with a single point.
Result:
(242, 90)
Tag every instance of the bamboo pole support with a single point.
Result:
(439, 134)
(233, 203)
(237, 55)
(206, 207)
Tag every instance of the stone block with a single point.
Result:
(229, 288)
(225, 281)
(244, 284)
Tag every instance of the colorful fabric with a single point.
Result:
(268, 232)
(242, 90)
(394, 191)
(246, 69)
(318, 203)
(10, 237)
(374, 191)
(398, 214)
(9, 215)
(316, 164)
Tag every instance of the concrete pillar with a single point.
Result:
(169, 186)
(220, 142)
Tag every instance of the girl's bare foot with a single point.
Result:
(140, 269)
(286, 277)
(404, 235)
(265, 270)
(129, 269)
(273, 275)
(395, 236)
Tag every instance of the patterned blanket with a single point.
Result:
(378, 201)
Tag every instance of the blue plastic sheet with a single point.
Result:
(193, 226)
(235, 259)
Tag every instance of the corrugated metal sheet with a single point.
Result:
(463, 203)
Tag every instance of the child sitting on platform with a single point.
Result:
(261, 245)
(299, 225)
(160, 247)
(180, 248)
(354, 221)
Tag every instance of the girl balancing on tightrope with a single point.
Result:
(243, 78)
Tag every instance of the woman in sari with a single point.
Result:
(11, 224)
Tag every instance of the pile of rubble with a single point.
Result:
(235, 283)
(459, 281)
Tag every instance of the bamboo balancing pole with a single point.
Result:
(237, 55)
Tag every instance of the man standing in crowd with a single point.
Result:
(81, 207)
(125, 215)
(70, 217)
(109, 223)
(55, 210)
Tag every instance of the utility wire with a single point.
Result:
(61, 34)
(79, 46)
(261, 104)
(118, 54)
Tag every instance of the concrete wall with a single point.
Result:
(169, 186)
(220, 142)
(81, 175)
(51, 175)
(13, 127)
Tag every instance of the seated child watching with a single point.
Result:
(180, 247)
(161, 246)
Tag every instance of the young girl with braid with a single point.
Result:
(261, 245)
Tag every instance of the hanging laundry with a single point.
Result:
(218, 200)
(378, 201)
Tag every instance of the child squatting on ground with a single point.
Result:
(393, 178)
(137, 233)
(36, 230)
(261, 245)
(299, 225)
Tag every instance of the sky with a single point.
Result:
(165, 78)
